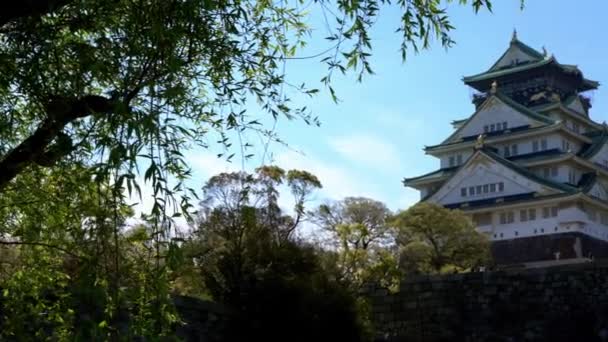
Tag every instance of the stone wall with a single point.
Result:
(202, 321)
(564, 303)
(544, 247)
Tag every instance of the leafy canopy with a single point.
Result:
(360, 241)
(125, 86)
(433, 239)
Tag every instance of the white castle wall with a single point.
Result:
(569, 219)
(493, 112)
(524, 146)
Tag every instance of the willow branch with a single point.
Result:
(41, 244)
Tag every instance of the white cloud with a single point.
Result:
(206, 164)
(368, 150)
(338, 182)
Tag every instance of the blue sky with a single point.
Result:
(374, 137)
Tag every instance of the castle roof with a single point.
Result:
(599, 139)
(498, 96)
(519, 57)
(488, 152)
(510, 133)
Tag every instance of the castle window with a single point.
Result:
(486, 188)
(504, 125)
(501, 186)
(471, 191)
(546, 212)
(503, 218)
(451, 161)
(532, 214)
(546, 172)
(459, 159)
(485, 130)
(478, 189)
(463, 192)
(516, 233)
(510, 217)
(500, 234)
(592, 215)
(493, 187)
(507, 151)
(492, 128)
(514, 149)
(523, 215)
(554, 171)
(535, 146)
(542, 230)
(571, 177)
(543, 144)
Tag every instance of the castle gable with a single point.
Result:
(577, 106)
(496, 114)
(598, 190)
(484, 177)
(515, 55)
(600, 155)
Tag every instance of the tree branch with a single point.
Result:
(60, 112)
(41, 244)
(26, 8)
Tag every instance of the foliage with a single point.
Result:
(129, 84)
(76, 275)
(293, 298)
(360, 241)
(434, 239)
(240, 220)
(95, 93)
(249, 259)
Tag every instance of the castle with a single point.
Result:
(529, 166)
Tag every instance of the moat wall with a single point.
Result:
(560, 303)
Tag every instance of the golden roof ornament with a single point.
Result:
(494, 87)
(514, 37)
(544, 51)
(480, 141)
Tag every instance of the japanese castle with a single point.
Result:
(530, 166)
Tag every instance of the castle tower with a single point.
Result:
(529, 166)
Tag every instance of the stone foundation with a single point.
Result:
(565, 303)
(544, 247)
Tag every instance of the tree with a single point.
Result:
(121, 88)
(240, 220)
(250, 260)
(72, 278)
(433, 239)
(360, 240)
(127, 82)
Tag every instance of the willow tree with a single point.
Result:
(125, 82)
(123, 87)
